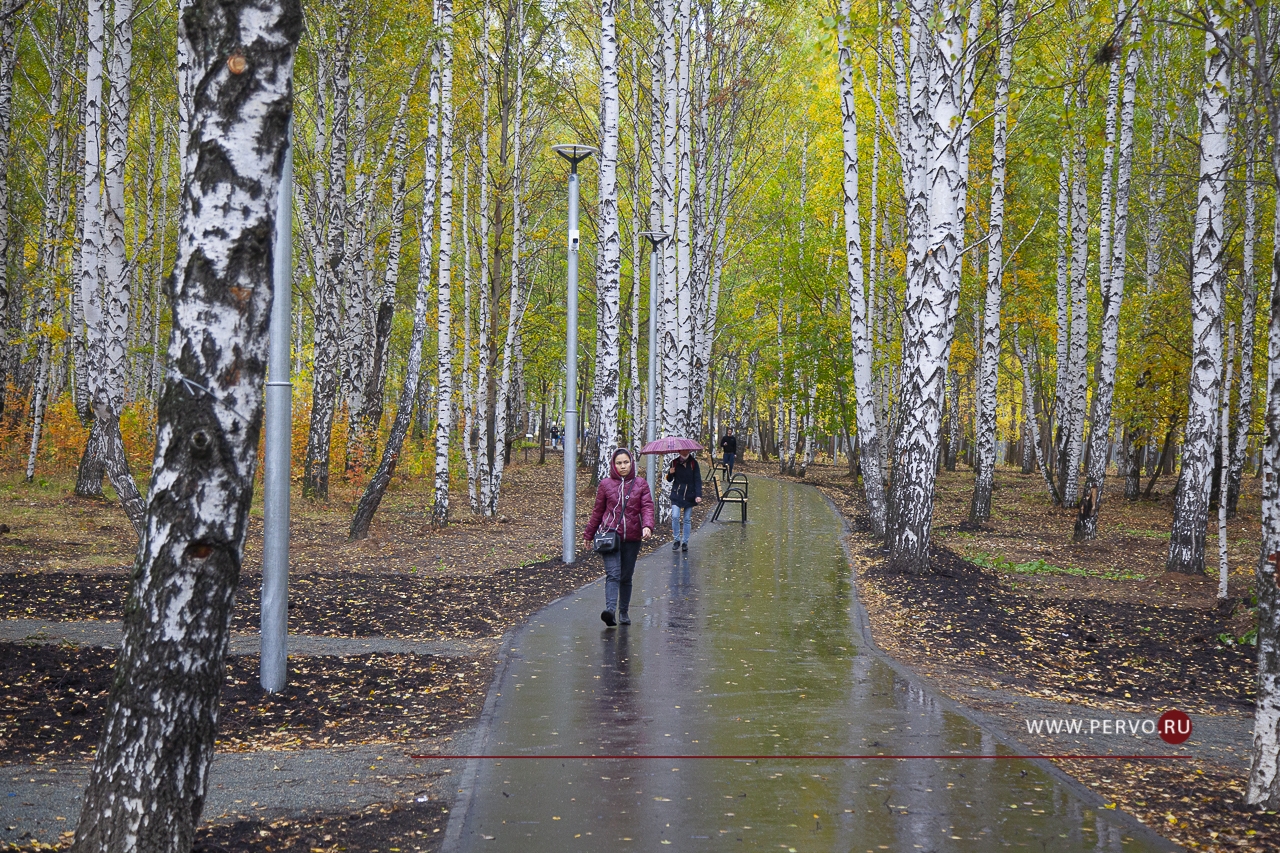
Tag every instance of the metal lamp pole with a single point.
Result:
(575, 154)
(656, 239)
(274, 655)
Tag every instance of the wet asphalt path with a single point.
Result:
(681, 732)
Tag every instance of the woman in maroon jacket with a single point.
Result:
(624, 504)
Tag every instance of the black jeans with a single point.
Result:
(728, 462)
(619, 567)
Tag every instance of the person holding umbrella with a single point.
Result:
(686, 492)
(686, 484)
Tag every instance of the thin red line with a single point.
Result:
(808, 757)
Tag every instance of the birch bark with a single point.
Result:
(328, 286)
(932, 289)
(669, 305)
(1224, 455)
(89, 284)
(1112, 287)
(1208, 279)
(985, 427)
(147, 787)
(1248, 314)
(55, 210)
(397, 152)
(609, 249)
(1072, 420)
(8, 60)
(502, 401)
(377, 487)
(1064, 299)
(444, 291)
(868, 427)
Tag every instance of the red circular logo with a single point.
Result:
(1174, 726)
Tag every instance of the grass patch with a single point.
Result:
(1040, 567)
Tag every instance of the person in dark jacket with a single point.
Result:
(686, 491)
(729, 446)
(625, 504)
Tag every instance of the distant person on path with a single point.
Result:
(729, 445)
(686, 491)
(625, 504)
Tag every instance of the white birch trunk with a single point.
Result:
(327, 367)
(1063, 290)
(609, 250)
(932, 288)
(444, 290)
(669, 333)
(1224, 451)
(483, 319)
(89, 284)
(1264, 769)
(865, 415)
(1072, 420)
(1112, 287)
(502, 401)
(1248, 316)
(148, 784)
(989, 365)
(468, 389)
(116, 278)
(1208, 280)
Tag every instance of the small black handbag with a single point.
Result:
(605, 542)
(608, 541)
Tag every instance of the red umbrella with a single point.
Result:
(670, 444)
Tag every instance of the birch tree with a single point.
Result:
(1112, 288)
(933, 282)
(1248, 300)
(868, 427)
(444, 291)
(9, 20)
(985, 427)
(1076, 378)
(1208, 280)
(147, 787)
(609, 251)
(328, 286)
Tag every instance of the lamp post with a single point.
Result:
(656, 239)
(274, 628)
(575, 154)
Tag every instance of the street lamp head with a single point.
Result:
(574, 153)
(657, 238)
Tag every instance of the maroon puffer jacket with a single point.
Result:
(639, 511)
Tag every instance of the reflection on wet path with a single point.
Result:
(746, 648)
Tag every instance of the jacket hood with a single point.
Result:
(613, 464)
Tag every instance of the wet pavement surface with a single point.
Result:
(723, 718)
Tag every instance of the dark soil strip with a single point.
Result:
(1191, 802)
(55, 698)
(1109, 650)
(414, 826)
(335, 603)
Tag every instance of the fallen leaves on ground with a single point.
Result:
(55, 697)
(1197, 804)
(384, 826)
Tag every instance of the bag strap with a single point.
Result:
(621, 509)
